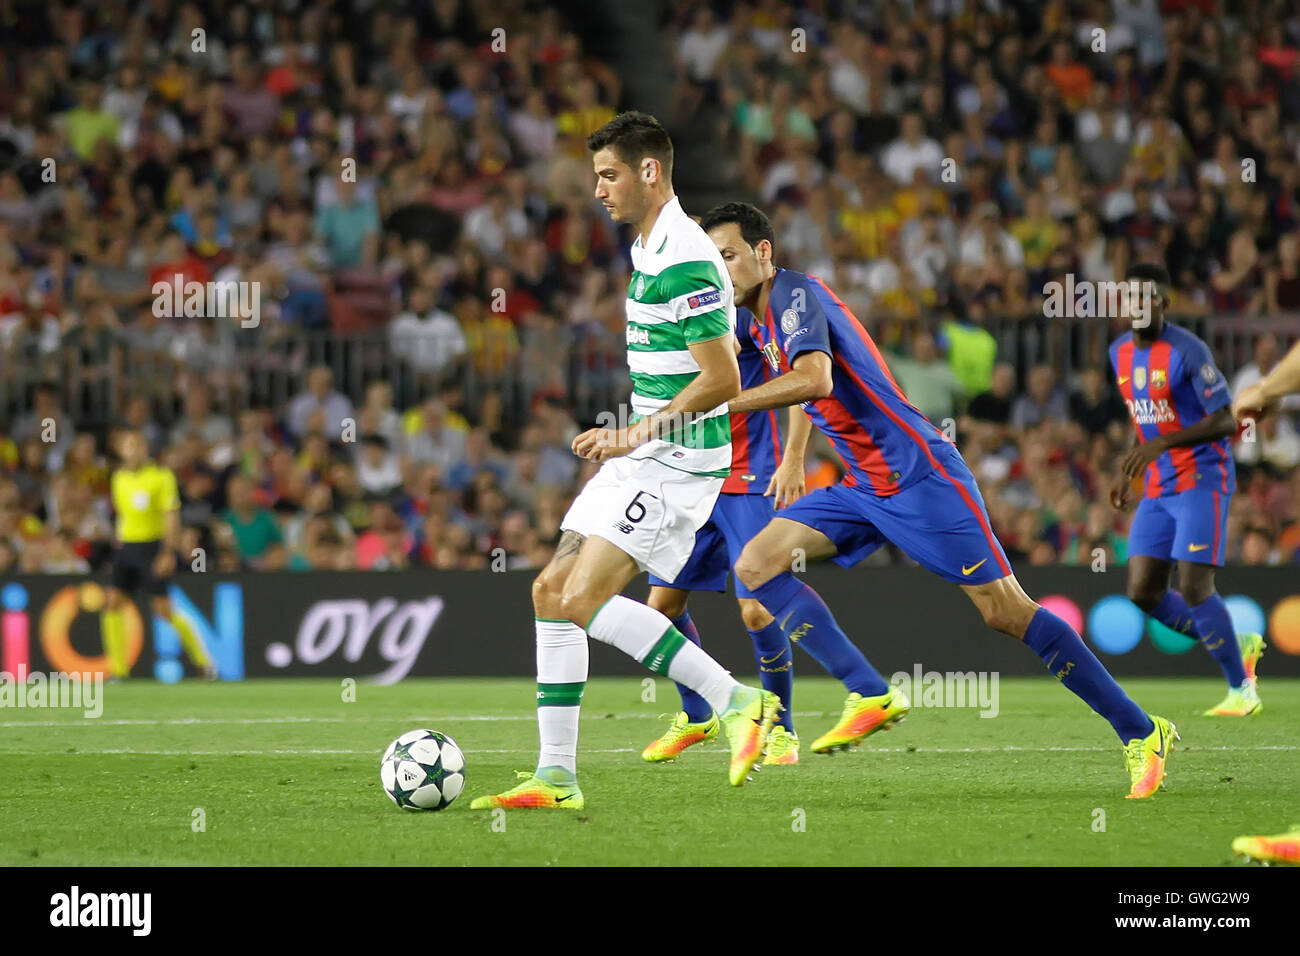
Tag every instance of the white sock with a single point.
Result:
(643, 633)
(561, 678)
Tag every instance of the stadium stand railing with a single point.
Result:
(270, 372)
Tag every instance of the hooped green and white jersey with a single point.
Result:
(680, 294)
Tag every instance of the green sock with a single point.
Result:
(112, 628)
(190, 640)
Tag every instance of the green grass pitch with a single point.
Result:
(287, 772)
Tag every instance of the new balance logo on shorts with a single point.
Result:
(623, 526)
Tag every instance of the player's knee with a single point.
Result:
(750, 568)
(754, 615)
(548, 589)
(1009, 617)
(669, 602)
(1145, 594)
(1196, 590)
(578, 606)
(999, 620)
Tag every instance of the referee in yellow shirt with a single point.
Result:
(148, 533)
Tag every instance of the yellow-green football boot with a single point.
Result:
(682, 733)
(1252, 649)
(782, 746)
(1243, 701)
(748, 721)
(862, 717)
(1146, 757)
(536, 793)
(1271, 849)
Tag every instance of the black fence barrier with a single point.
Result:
(385, 626)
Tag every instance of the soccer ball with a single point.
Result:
(423, 770)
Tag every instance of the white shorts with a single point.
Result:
(647, 510)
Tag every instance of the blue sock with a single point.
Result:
(1066, 656)
(776, 667)
(808, 622)
(1217, 635)
(696, 707)
(1173, 613)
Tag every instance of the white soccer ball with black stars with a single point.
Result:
(423, 770)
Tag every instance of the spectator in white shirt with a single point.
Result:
(927, 247)
(409, 102)
(378, 469)
(1275, 443)
(801, 169)
(701, 46)
(377, 414)
(493, 226)
(913, 150)
(984, 235)
(427, 339)
(849, 56)
(533, 126)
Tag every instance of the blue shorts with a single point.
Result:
(1189, 526)
(735, 519)
(940, 522)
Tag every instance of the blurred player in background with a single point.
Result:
(905, 483)
(147, 505)
(1178, 401)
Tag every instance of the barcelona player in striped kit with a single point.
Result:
(760, 480)
(905, 483)
(1179, 401)
(764, 478)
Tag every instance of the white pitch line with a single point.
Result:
(186, 721)
(292, 751)
(279, 752)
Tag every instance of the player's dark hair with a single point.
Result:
(753, 222)
(1150, 272)
(633, 136)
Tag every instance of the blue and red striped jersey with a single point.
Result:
(755, 438)
(886, 444)
(1168, 387)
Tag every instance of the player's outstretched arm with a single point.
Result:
(1283, 380)
(809, 379)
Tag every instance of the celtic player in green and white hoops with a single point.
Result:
(661, 476)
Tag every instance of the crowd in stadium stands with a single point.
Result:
(937, 162)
